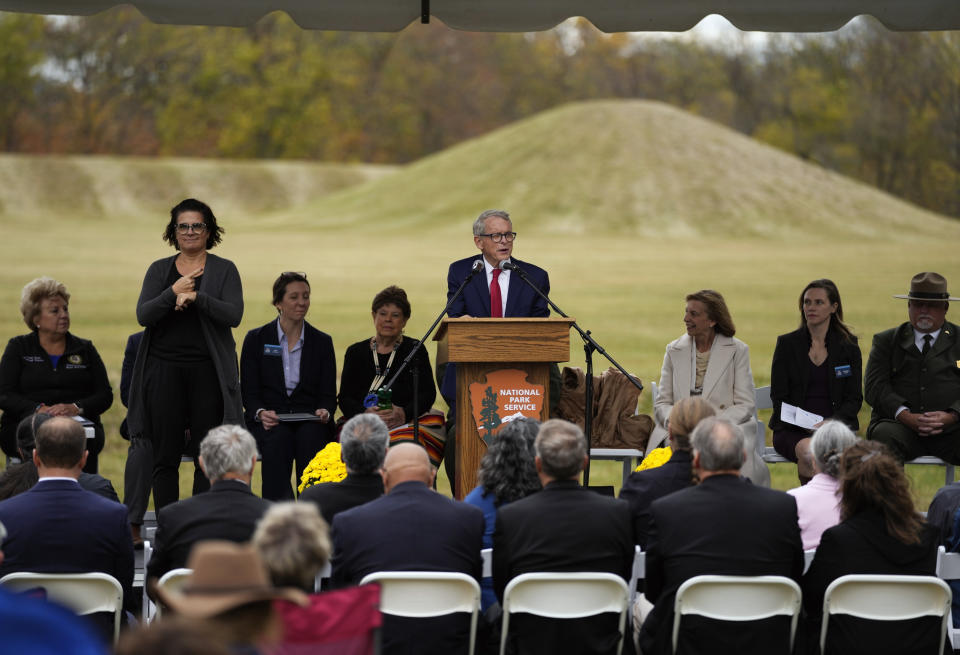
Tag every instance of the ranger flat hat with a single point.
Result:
(928, 286)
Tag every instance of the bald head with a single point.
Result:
(406, 462)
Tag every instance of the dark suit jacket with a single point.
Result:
(897, 374)
(861, 544)
(58, 527)
(335, 497)
(789, 376)
(644, 487)
(126, 375)
(723, 526)
(229, 510)
(522, 301)
(562, 528)
(413, 528)
(261, 375)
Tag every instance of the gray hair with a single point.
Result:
(828, 444)
(720, 444)
(480, 224)
(294, 543)
(227, 449)
(363, 443)
(561, 447)
(33, 295)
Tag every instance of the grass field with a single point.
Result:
(623, 283)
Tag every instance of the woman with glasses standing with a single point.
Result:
(185, 376)
(288, 379)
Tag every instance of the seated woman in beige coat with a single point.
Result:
(707, 361)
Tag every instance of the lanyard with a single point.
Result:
(381, 376)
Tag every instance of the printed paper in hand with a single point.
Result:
(799, 417)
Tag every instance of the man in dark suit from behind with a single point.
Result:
(363, 445)
(411, 528)
(58, 527)
(228, 511)
(562, 528)
(723, 526)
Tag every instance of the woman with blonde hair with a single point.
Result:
(709, 362)
(644, 487)
(50, 370)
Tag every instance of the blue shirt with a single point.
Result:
(291, 358)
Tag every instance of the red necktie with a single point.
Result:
(496, 304)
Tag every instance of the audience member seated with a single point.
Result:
(818, 501)
(50, 370)
(911, 379)
(25, 624)
(228, 511)
(58, 527)
(231, 593)
(288, 367)
(20, 477)
(818, 368)
(644, 487)
(880, 532)
(172, 635)
(708, 361)
(369, 364)
(507, 473)
(562, 528)
(411, 528)
(294, 543)
(722, 526)
(363, 445)
(942, 512)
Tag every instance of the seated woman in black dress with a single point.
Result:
(369, 364)
(818, 368)
(288, 367)
(880, 533)
(50, 370)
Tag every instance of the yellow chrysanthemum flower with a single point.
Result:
(326, 466)
(656, 457)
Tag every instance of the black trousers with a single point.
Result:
(283, 445)
(138, 478)
(179, 397)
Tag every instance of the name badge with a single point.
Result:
(843, 371)
(277, 351)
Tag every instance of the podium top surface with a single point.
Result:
(506, 339)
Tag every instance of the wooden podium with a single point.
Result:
(480, 346)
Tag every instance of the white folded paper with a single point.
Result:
(799, 417)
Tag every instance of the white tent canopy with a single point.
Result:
(527, 15)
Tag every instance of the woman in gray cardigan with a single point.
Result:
(185, 376)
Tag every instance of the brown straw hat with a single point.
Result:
(225, 576)
(928, 286)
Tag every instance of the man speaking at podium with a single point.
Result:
(494, 292)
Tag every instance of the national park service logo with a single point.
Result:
(75, 359)
(506, 395)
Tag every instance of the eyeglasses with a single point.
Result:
(183, 228)
(497, 237)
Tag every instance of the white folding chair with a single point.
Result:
(737, 598)
(420, 594)
(172, 580)
(565, 596)
(148, 608)
(83, 593)
(322, 575)
(808, 556)
(639, 571)
(487, 556)
(887, 598)
(948, 568)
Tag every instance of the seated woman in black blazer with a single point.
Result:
(288, 367)
(369, 364)
(818, 368)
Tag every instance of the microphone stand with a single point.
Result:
(413, 371)
(590, 346)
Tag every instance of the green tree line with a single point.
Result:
(879, 106)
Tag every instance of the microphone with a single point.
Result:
(509, 266)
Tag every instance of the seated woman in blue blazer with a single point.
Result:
(818, 368)
(288, 367)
